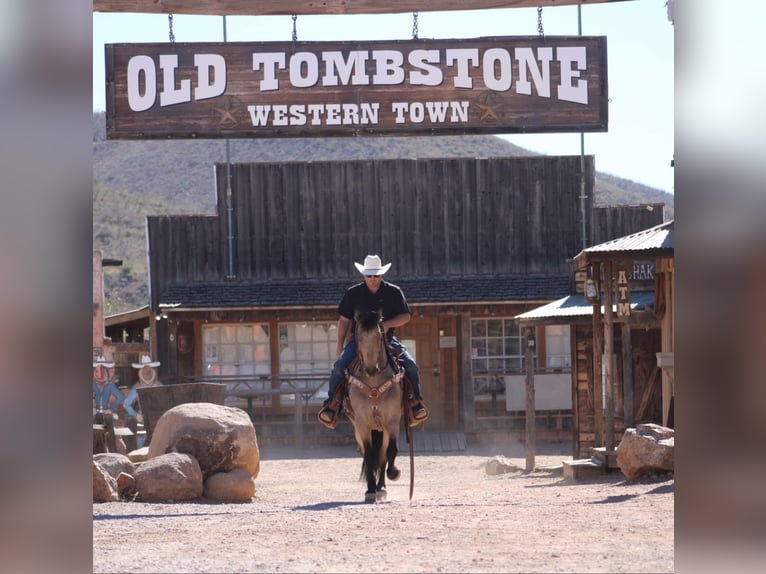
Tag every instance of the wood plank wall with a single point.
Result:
(611, 222)
(431, 217)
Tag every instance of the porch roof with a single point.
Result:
(298, 293)
(655, 242)
(574, 308)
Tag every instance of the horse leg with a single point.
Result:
(381, 485)
(393, 472)
(372, 465)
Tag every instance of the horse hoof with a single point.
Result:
(380, 495)
(370, 497)
(393, 473)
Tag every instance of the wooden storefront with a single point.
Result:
(470, 240)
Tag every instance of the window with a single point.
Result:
(236, 349)
(496, 346)
(307, 348)
(557, 350)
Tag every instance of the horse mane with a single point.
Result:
(369, 320)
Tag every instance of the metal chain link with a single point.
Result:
(414, 25)
(295, 27)
(171, 36)
(540, 21)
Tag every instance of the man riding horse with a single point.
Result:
(370, 296)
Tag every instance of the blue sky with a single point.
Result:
(639, 142)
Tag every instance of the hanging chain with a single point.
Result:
(295, 27)
(171, 36)
(414, 25)
(540, 21)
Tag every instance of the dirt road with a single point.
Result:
(309, 516)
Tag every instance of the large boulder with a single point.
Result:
(648, 449)
(172, 476)
(234, 486)
(221, 438)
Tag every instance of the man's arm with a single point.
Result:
(343, 324)
(397, 321)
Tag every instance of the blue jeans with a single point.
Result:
(349, 353)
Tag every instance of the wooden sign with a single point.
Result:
(306, 89)
(622, 270)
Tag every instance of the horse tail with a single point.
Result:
(371, 456)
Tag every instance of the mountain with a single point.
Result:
(133, 179)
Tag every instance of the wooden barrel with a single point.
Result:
(156, 400)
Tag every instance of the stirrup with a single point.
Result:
(328, 417)
(418, 412)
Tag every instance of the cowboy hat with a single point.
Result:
(146, 361)
(372, 266)
(101, 361)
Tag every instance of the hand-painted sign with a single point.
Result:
(417, 87)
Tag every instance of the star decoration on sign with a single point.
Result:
(228, 112)
(491, 108)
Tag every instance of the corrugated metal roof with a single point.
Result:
(654, 242)
(657, 237)
(308, 292)
(574, 306)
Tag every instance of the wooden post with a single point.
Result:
(608, 352)
(529, 359)
(598, 346)
(469, 413)
(627, 377)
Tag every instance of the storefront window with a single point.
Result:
(558, 354)
(307, 348)
(236, 349)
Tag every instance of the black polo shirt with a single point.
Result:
(389, 298)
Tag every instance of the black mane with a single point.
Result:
(369, 320)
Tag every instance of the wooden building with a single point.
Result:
(248, 296)
(622, 306)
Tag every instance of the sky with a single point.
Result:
(639, 142)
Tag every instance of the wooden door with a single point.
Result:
(421, 337)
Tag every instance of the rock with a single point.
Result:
(114, 463)
(139, 455)
(500, 465)
(172, 476)
(104, 485)
(646, 450)
(126, 485)
(221, 438)
(235, 485)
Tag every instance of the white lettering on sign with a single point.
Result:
(643, 272)
(142, 71)
(501, 70)
(319, 114)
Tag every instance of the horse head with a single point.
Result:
(370, 342)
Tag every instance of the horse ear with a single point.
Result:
(380, 314)
(356, 316)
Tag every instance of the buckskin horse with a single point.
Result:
(374, 405)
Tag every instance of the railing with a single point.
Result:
(263, 388)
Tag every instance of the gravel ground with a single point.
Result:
(309, 516)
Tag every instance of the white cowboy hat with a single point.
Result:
(146, 361)
(103, 362)
(372, 266)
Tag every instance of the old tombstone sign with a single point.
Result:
(251, 90)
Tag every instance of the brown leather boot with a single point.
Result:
(418, 411)
(328, 414)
